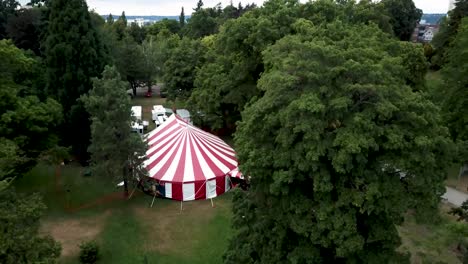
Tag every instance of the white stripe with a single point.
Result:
(216, 161)
(188, 191)
(210, 189)
(220, 147)
(227, 187)
(163, 150)
(159, 144)
(169, 131)
(168, 189)
(163, 161)
(207, 172)
(169, 174)
(189, 174)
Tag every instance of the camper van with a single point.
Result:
(158, 114)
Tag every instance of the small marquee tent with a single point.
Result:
(187, 162)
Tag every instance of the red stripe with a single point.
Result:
(220, 185)
(211, 165)
(200, 190)
(177, 191)
(155, 148)
(213, 142)
(218, 157)
(158, 175)
(161, 156)
(180, 171)
(197, 170)
(163, 128)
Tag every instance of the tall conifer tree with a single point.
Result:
(74, 54)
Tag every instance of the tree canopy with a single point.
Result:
(404, 16)
(113, 146)
(20, 242)
(27, 124)
(456, 83)
(74, 54)
(339, 147)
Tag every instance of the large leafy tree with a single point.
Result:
(27, 124)
(114, 147)
(456, 84)
(181, 67)
(202, 22)
(404, 17)
(20, 242)
(24, 29)
(74, 54)
(338, 148)
(7, 9)
(449, 28)
(128, 59)
(227, 81)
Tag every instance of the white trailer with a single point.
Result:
(136, 112)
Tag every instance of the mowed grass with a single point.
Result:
(128, 231)
(433, 243)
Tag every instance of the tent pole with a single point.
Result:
(180, 206)
(212, 205)
(131, 194)
(154, 197)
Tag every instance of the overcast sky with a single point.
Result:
(172, 7)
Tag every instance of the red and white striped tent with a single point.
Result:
(188, 163)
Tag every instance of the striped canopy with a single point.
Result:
(188, 163)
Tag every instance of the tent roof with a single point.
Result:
(182, 153)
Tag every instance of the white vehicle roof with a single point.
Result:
(184, 113)
(136, 111)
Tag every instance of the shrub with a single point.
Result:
(89, 252)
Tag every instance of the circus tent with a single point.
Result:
(187, 162)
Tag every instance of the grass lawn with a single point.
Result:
(433, 243)
(128, 231)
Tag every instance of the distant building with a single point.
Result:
(424, 33)
(139, 21)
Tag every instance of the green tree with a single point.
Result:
(114, 147)
(7, 9)
(137, 33)
(202, 23)
(24, 29)
(338, 149)
(455, 85)
(404, 16)
(181, 67)
(182, 18)
(74, 54)
(110, 19)
(120, 26)
(129, 62)
(20, 242)
(171, 25)
(199, 6)
(27, 125)
(449, 27)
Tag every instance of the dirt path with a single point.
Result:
(72, 232)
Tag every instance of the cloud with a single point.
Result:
(172, 7)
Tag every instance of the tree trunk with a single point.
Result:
(125, 180)
(134, 88)
(149, 87)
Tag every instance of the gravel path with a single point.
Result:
(455, 197)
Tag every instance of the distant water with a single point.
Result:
(147, 18)
(432, 19)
